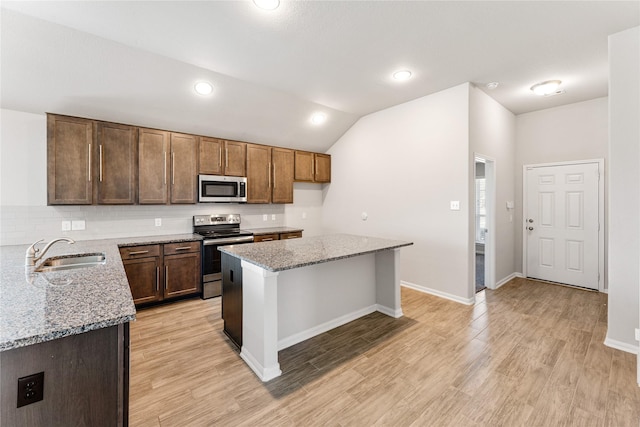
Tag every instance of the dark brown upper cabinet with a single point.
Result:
(69, 158)
(184, 168)
(258, 173)
(312, 167)
(221, 157)
(117, 164)
(282, 161)
(153, 167)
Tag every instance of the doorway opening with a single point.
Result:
(484, 257)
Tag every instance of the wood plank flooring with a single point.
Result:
(527, 354)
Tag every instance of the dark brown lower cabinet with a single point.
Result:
(86, 380)
(162, 272)
(232, 298)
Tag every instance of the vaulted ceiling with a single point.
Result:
(137, 61)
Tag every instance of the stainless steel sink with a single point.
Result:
(70, 262)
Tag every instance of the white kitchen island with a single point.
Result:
(292, 290)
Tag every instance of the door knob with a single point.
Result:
(530, 220)
(530, 228)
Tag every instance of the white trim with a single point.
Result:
(508, 278)
(465, 301)
(601, 216)
(265, 374)
(490, 174)
(619, 345)
(389, 311)
(327, 326)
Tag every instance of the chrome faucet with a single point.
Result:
(30, 258)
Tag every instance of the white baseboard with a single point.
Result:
(507, 279)
(389, 311)
(327, 326)
(619, 345)
(265, 374)
(456, 298)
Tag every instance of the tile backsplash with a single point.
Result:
(26, 224)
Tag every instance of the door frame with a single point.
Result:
(490, 236)
(601, 218)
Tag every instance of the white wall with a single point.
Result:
(402, 166)
(492, 133)
(572, 132)
(25, 216)
(624, 199)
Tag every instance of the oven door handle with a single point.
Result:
(228, 241)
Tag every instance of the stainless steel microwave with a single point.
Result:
(222, 189)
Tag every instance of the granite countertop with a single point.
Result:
(280, 255)
(39, 307)
(273, 230)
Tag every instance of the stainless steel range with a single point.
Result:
(217, 230)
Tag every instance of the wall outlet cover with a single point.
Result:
(66, 225)
(158, 222)
(637, 334)
(265, 217)
(273, 217)
(455, 205)
(30, 389)
(78, 225)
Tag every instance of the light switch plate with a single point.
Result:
(158, 222)
(78, 225)
(66, 225)
(455, 205)
(265, 217)
(637, 334)
(273, 217)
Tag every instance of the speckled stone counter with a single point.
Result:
(287, 291)
(39, 307)
(274, 230)
(282, 255)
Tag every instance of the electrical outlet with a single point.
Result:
(455, 205)
(273, 217)
(265, 217)
(158, 222)
(30, 389)
(78, 225)
(637, 334)
(66, 225)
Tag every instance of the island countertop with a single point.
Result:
(39, 307)
(282, 255)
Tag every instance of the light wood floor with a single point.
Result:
(528, 354)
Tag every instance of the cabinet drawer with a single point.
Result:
(265, 238)
(294, 235)
(134, 252)
(181, 248)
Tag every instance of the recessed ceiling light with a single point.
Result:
(493, 85)
(318, 118)
(203, 88)
(267, 4)
(402, 75)
(550, 87)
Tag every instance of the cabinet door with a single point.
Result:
(292, 235)
(144, 276)
(304, 166)
(184, 168)
(282, 165)
(153, 167)
(211, 161)
(258, 173)
(235, 158)
(117, 164)
(322, 167)
(182, 275)
(69, 169)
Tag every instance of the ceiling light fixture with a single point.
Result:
(203, 88)
(318, 118)
(267, 4)
(492, 85)
(550, 87)
(402, 75)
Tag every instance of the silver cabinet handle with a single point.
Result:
(89, 166)
(269, 172)
(166, 277)
(183, 248)
(220, 156)
(165, 168)
(315, 165)
(157, 279)
(226, 157)
(138, 252)
(274, 175)
(173, 168)
(292, 237)
(100, 159)
(267, 240)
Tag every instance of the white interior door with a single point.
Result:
(562, 224)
